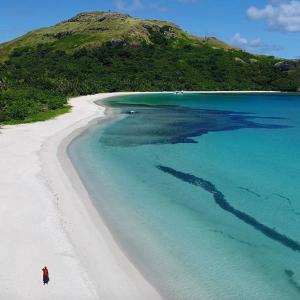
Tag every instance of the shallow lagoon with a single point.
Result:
(201, 191)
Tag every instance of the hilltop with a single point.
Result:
(104, 51)
(94, 29)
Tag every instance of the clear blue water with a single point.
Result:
(201, 191)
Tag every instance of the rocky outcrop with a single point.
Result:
(253, 60)
(97, 17)
(98, 28)
(114, 42)
(166, 31)
(286, 65)
(239, 60)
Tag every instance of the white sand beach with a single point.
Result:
(47, 218)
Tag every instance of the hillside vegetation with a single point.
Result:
(106, 52)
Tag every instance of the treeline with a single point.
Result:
(20, 103)
(40, 79)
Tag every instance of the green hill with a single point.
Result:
(92, 30)
(104, 52)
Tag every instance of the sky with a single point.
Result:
(260, 26)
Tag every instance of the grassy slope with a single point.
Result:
(92, 30)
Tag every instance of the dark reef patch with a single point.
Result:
(172, 124)
(222, 202)
(249, 191)
(290, 275)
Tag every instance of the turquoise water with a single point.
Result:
(201, 191)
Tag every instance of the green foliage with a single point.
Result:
(40, 116)
(18, 104)
(95, 29)
(133, 55)
(72, 41)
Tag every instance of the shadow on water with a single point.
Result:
(171, 124)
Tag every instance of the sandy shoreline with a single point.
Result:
(48, 219)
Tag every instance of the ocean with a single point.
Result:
(201, 191)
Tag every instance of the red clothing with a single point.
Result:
(45, 272)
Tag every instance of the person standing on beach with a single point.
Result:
(45, 275)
